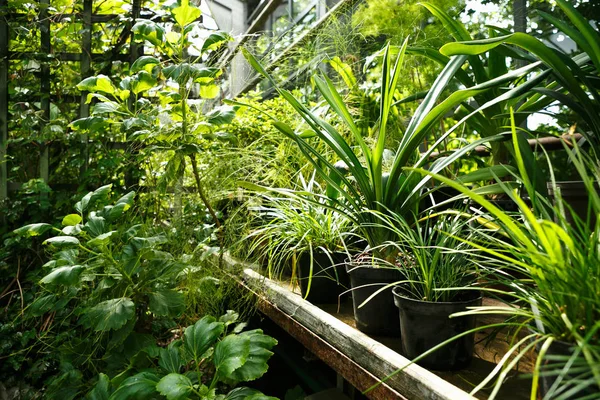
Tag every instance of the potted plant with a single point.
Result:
(557, 307)
(308, 237)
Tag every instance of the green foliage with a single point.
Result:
(182, 370)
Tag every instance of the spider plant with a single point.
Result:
(359, 181)
(298, 227)
(559, 300)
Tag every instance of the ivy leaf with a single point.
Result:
(99, 83)
(101, 390)
(256, 363)
(174, 386)
(185, 14)
(111, 314)
(167, 303)
(230, 354)
(68, 275)
(214, 41)
(244, 393)
(62, 241)
(71, 220)
(199, 337)
(170, 358)
(33, 230)
(150, 31)
(139, 387)
(144, 63)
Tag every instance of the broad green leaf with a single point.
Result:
(105, 108)
(144, 63)
(214, 41)
(138, 387)
(71, 220)
(244, 393)
(230, 354)
(33, 229)
(62, 241)
(199, 337)
(167, 303)
(185, 14)
(209, 91)
(229, 318)
(175, 386)
(255, 365)
(221, 115)
(99, 83)
(67, 275)
(121, 206)
(141, 82)
(111, 314)
(170, 358)
(150, 31)
(95, 225)
(42, 305)
(90, 124)
(101, 390)
(101, 240)
(100, 193)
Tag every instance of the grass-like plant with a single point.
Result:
(559, 298)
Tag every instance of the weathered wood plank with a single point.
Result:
(413, 382)
(85, 65)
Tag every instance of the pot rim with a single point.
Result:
(476, 299)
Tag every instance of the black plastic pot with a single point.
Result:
(329, 280)
(547, 378)
(379, 315)
(426, 324)
(575, 194)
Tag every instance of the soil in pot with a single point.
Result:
(329, 277)
(379, 315)
(426, 324)
(552, 367)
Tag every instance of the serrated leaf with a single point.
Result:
(256, 363)
(199, 337)
(167, 303)
(185, 14)
(231, 353)
(174, 386)
(67, 275)
(62, 241)
(71, 220)
(101, 390)
(110, 314)
(170, 358)
(138, 387)
(33, 229)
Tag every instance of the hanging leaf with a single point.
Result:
(199, 337)
(68, 275)
(62, 241)
(149, 31)
(110, 314)
(33, 229)
(140, 386)
(214, 41)
(145, 63)
(99, 83)
(185, 14)
(71, 220)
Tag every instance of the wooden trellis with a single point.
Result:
(86, 58)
